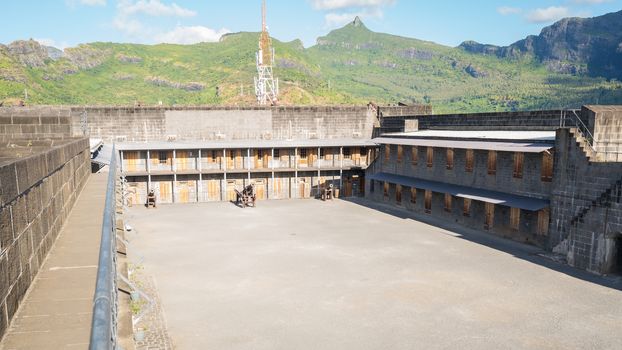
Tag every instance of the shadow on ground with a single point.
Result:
(522, 251)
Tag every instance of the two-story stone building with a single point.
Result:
(499, 181)
(184, 172)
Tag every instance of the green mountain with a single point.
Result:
(351, 65)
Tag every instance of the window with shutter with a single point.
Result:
(469, 161)
(414, 155)
(492, 162)
(450, 158)
(547, 167)
(430, 157)
(519, 158)
(428, 201)
(515, 218)
(448, 202)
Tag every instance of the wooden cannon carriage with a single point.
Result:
(247, 197)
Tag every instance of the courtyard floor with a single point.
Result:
(306, 274)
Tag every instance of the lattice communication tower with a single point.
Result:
(266, 86)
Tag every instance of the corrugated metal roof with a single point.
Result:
(507, 199)
(526, 147)
(161, 145)
(483, 135)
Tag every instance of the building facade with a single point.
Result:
(211, 171)
(502, 186)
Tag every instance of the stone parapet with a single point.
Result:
(37, 191)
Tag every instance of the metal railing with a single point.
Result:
(605, 150)
(105, 301)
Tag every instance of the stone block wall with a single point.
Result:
(530, 185)
(225, 123)
(529, 120)
(37, 193)
(526, 232)
(593, 242)
(35, 123)
(605, 123)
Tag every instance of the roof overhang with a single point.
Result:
(243, 144)
(525, 147)
(494, 197)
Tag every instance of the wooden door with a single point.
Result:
(428, 201)
(348, 187)
(184, 192)
(231, 190)
(166, 192)
(362, 185)
(239, 159)
(303, 158)
(182, 160)
(277, 188)
(213, 190)
(257, 159)
(260, 187)
(131, 159)
(230, 159)
(304, 188)
(490, 216)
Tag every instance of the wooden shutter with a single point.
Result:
(414, 155)
(450, 158)
(492, 162)
(466, 207)
(428, 201)
(547, 167)
(386, 190)
(400, 153)
(387, 152)
(543, 222)
(430, 157)
(398, 194)
(448, 202)
(515, 218)
(469, 161)
(490, 216)
(413, 195)
(519, 159)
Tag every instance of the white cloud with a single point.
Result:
(341, 12)
(344, 4)
(75, 3)
(191, 35)
(93, 2)
(591, 1)
(152, 8)
(334, 19)
(129, 21)
(507, 10)
(549, 14)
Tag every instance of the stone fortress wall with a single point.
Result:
(39, 184)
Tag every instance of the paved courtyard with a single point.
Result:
(304, 274)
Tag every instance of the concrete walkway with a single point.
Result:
(56, 313)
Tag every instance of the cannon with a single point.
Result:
(151, 199)
(247, 197)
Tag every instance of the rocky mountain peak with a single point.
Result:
(28, 52)
(358, 22)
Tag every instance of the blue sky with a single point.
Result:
(69, 22)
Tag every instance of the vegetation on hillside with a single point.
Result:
(351, 65)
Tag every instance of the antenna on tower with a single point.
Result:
(266, 87)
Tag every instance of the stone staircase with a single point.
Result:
(598, 190)
(586, 147)
(611, 195)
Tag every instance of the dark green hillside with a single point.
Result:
(349, 65)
